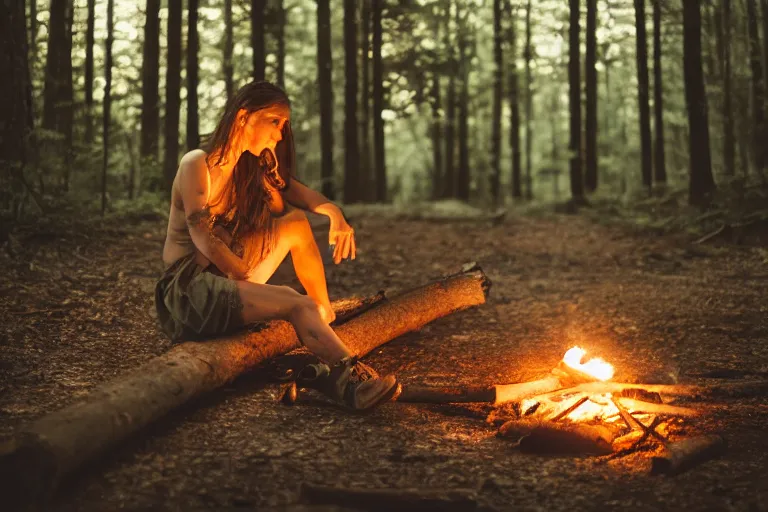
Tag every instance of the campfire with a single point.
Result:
(578, 409)
(585, 413)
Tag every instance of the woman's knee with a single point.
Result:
(302, 305)
(295, 226)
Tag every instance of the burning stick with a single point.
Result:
(670, 410)
(682, 455)
(523, 390)
(631, 421)
(635, 424)
(568, 410)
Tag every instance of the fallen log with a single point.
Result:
(682, 455)
(386, 500)
(41, 453)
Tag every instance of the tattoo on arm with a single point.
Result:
(200, 218)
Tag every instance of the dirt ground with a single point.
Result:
(76, 310)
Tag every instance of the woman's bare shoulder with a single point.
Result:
(193, 159)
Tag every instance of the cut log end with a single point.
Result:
(687, 453)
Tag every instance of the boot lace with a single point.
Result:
(360, 372)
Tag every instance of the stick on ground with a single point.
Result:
(387, 500)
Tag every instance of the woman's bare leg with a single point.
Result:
(268, 302)
(264, 302)
(294, 235)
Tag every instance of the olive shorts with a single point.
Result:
(195, 302)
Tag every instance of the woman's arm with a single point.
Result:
(301, 196)
(194, 187)
(341, 236)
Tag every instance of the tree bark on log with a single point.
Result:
(40, 454)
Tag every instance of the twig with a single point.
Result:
(628, 418)
(710, 235)
(568, 410)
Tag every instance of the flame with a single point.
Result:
(596, 367)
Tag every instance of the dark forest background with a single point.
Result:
(487, 102)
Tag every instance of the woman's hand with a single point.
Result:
(341, 236)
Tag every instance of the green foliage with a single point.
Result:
(419, 37)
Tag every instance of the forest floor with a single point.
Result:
(76, 310)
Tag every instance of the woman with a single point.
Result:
(234, 217)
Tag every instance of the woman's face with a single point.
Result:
(263, 128)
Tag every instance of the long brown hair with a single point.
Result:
(246, 210)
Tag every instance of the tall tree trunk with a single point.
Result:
(590, 59)
(172, 97)
(659, 164)
(449, 181)
(642, 94)
(58, 93)
(229, 81)
(326, 95)
(57, 80)
(150, 77)
(32, 30)
(15, 89)
(107, 103)
(435, 102)
(378, 104)
(463, 178)
(498, 91)
(514, 102)
(574, 88)
(257, 38)
(701, 182)
(351, 156)
(282, 18)
(89, 42)
(529, 105)
(743, 94)
(436, 132)
(765, 65)
(193, 123)
(729, 141)
(758, 90)
(368, 192)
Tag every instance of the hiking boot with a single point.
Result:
(350, 383)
